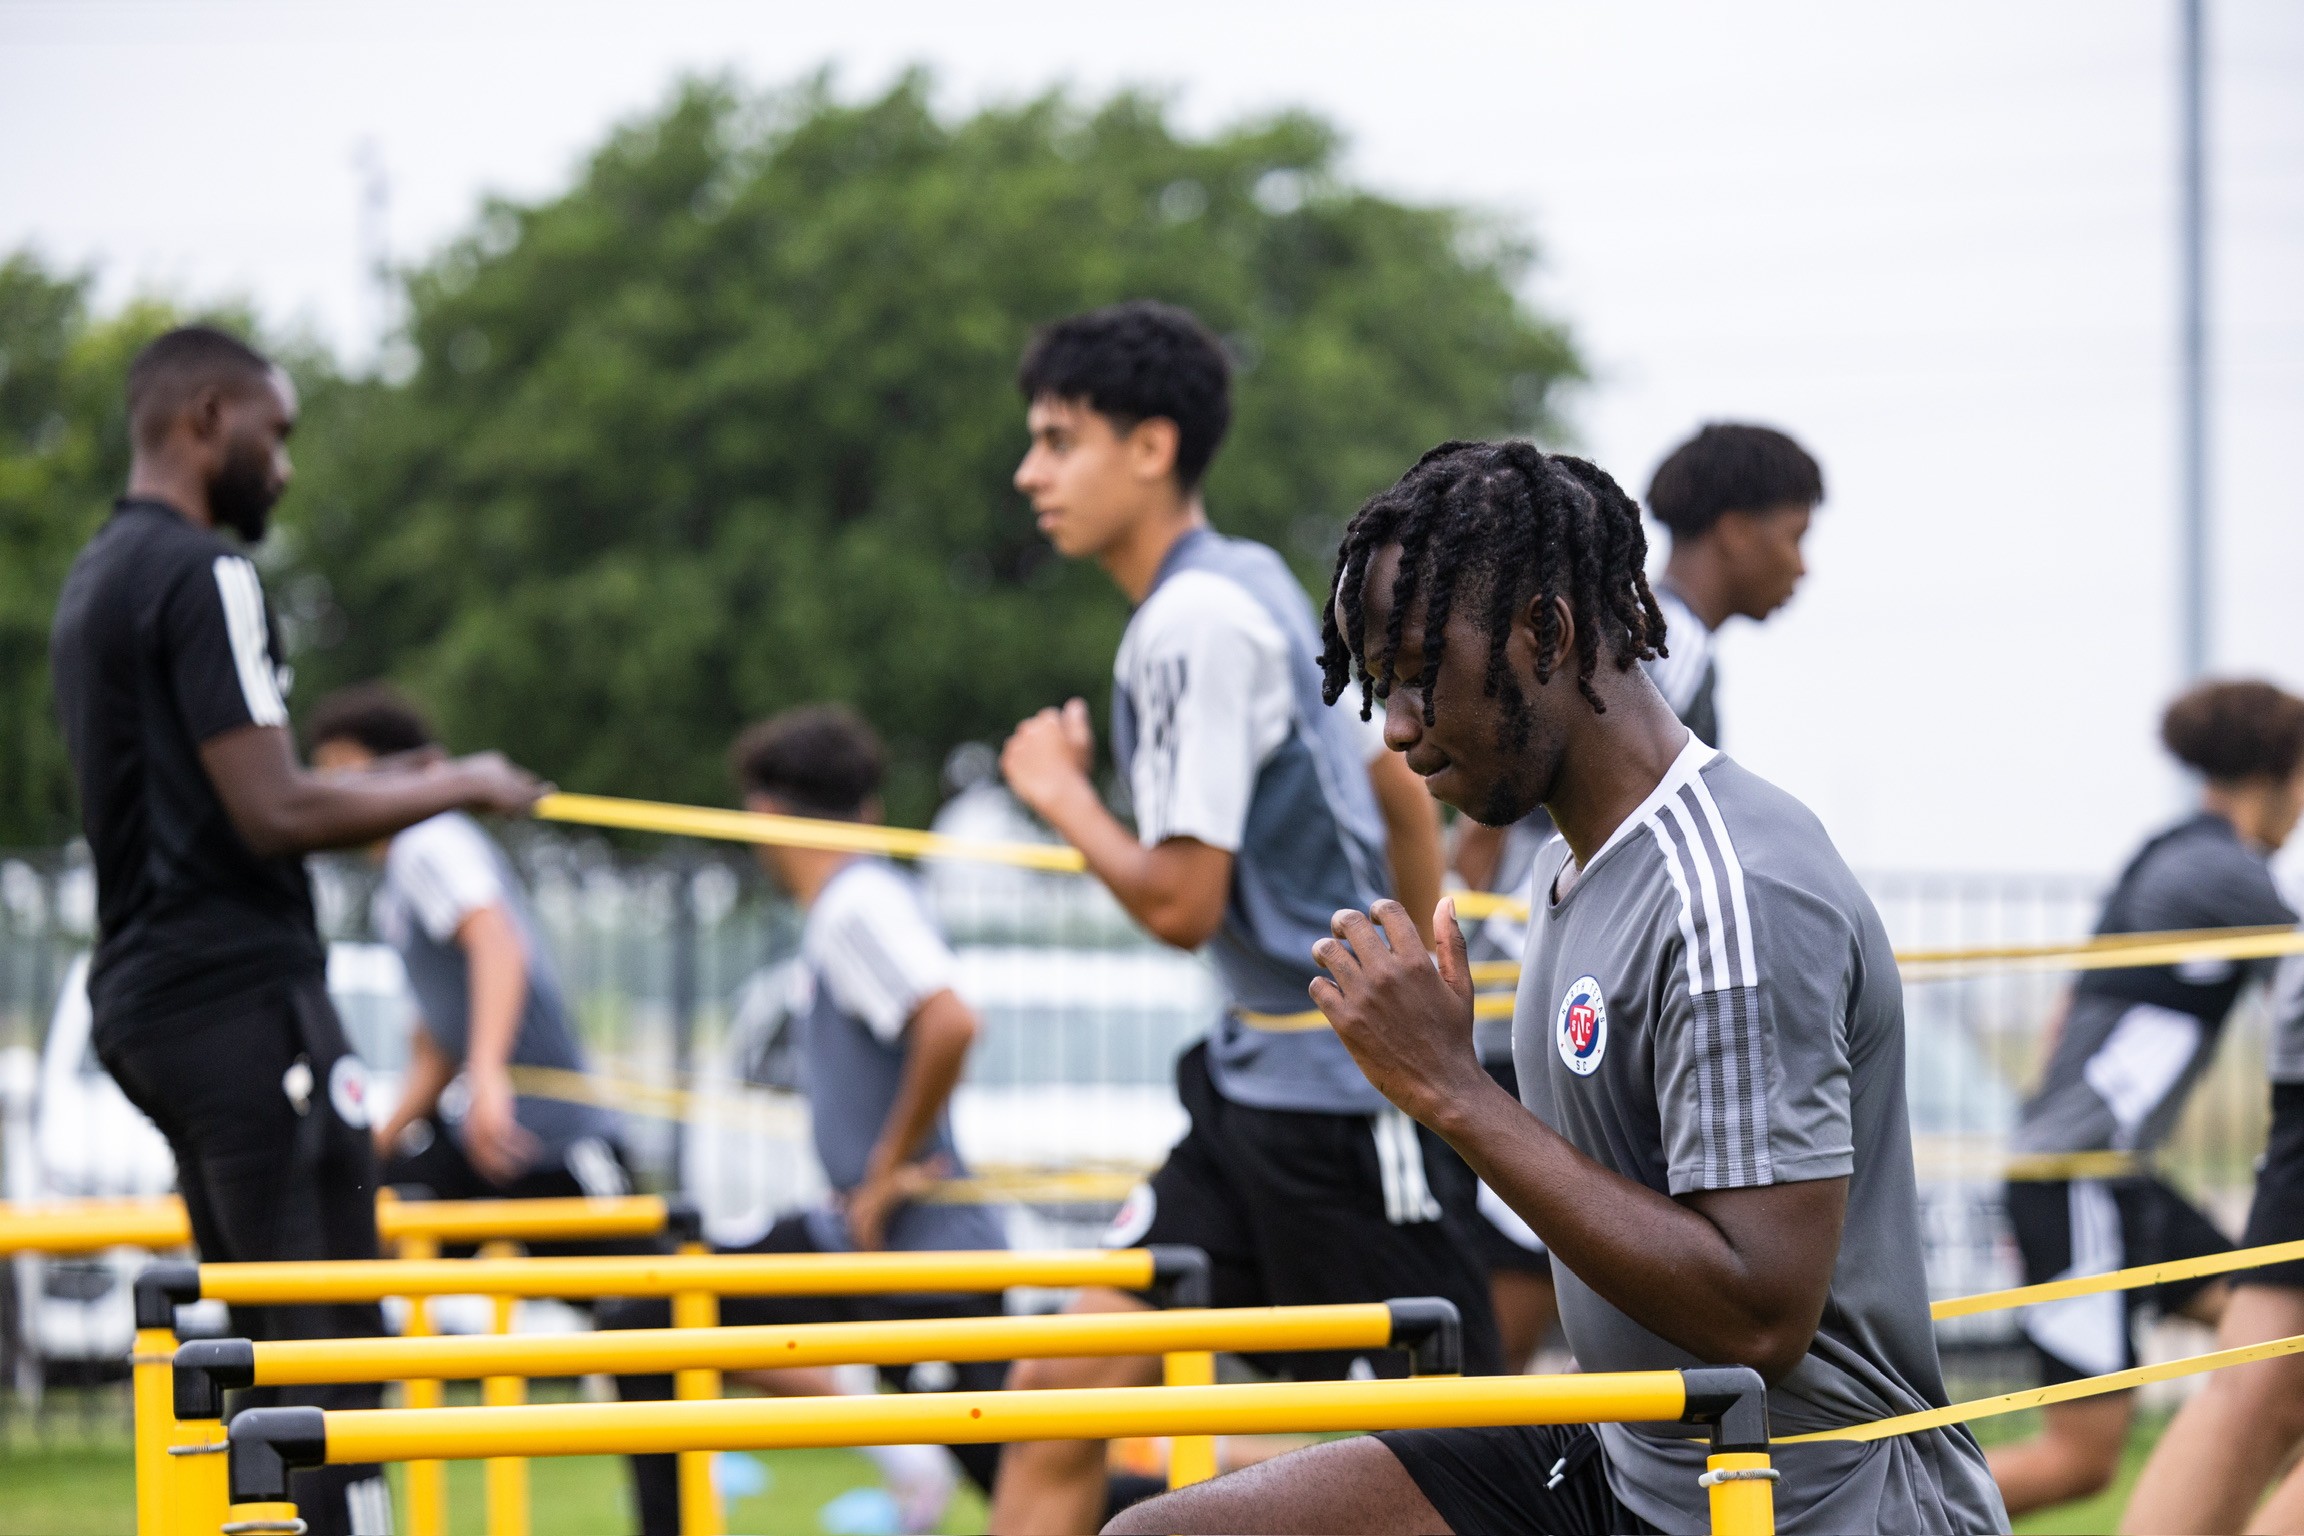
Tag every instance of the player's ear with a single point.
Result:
(1527, 639)
(1152, 446)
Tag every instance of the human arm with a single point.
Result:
(280, 807)
(1733, 1276)
(429, 1071)
(1412, 833)
(1176, 888)
(937, 1041)
(496, 964)
(1479, 849)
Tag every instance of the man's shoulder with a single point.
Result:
(1195, 606)
(450, 838)
(866, 894)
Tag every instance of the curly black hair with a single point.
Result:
(1504, 522)
(2232, 731)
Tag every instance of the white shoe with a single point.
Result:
(921, 1479)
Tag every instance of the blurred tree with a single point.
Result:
(63, 457)
(730, 425)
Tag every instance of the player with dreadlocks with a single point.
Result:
(1711, 1134)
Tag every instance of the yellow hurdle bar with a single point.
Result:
(726, 1274)
(89, 1226)
(312, 1362)
(267, 1444)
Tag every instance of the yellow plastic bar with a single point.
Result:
(151, 1380)
(1191, 1458)
(800, 832)
(723, 1274)
(700, 1513)
(89, 1226)
(522, 1221)
(309, 1362)
(962, 1418)
(505, 1478)
(1743, 1489)
(196, 1477)
(427, 1483)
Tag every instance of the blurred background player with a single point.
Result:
(1259, 811)
(2130, 1047)
(488, 994)
(2245, 1424)
(883, 1040)
(209, 982)
(1736, 501)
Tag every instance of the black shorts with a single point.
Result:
(2276, 1215)
(1299, 1209)
(655, 1479)
(1500, 1246)
(1491, 1482)
(265, 1111)
(2091, 1227)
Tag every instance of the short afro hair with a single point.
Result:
(376, 716)
(1135, 361)
(821, 759)
(1730, 467)
(2236, 730)
(173, 368)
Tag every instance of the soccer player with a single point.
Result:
(453, 907)
(883, 1041)
(1259, 810)
(2130, 1047)
(1737, 501)
(209, 981)
(1711, 1134)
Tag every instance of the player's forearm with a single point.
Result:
(942, 1032)
(497, 967)
(429, 1074)
(1162, 893)
(1669, 1268)
(281, 808)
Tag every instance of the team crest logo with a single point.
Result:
(1581, 1031)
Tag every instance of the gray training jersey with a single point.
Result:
(436, 874)
(872, 955)
(1714, 1005)
(1220, 730)
(2135, 1041)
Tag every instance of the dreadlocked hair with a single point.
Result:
(1505, 522)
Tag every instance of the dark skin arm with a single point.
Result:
(941, 1032)
(1732, 1276)
(280, 807)
(1412, 833)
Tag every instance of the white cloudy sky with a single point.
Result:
(1933, 241)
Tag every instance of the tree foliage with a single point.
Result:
(730, 424)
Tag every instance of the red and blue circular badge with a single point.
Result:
(1581, 1030)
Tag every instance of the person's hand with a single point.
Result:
(1407, 1024)
(494, 783)
(498, 1144)
(1049, 756)
(872, 1204)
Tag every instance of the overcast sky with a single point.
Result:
(1937, 244)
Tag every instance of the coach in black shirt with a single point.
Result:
(209, 979)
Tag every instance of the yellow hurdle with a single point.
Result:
(91, 1226)
(267, 1444)
(1178, 1275)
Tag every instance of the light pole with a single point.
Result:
(2192, 302)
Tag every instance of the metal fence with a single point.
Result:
(679, 960)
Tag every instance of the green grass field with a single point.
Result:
(90, 1491)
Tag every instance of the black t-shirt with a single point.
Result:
(162, 641)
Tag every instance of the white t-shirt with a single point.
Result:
(436, 874)
(1209, 672)
(869, 944)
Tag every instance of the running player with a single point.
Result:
(209, 982)
(1259, 810)
(1711, 1135)
(452, 906)
(2130, 1047)
(1737, 501)
(883, 1040)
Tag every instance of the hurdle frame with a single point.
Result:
(267, 1444)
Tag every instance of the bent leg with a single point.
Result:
(2229, 1441)
(1056, 1487)
(1346, 1486)
(2076, 1454)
